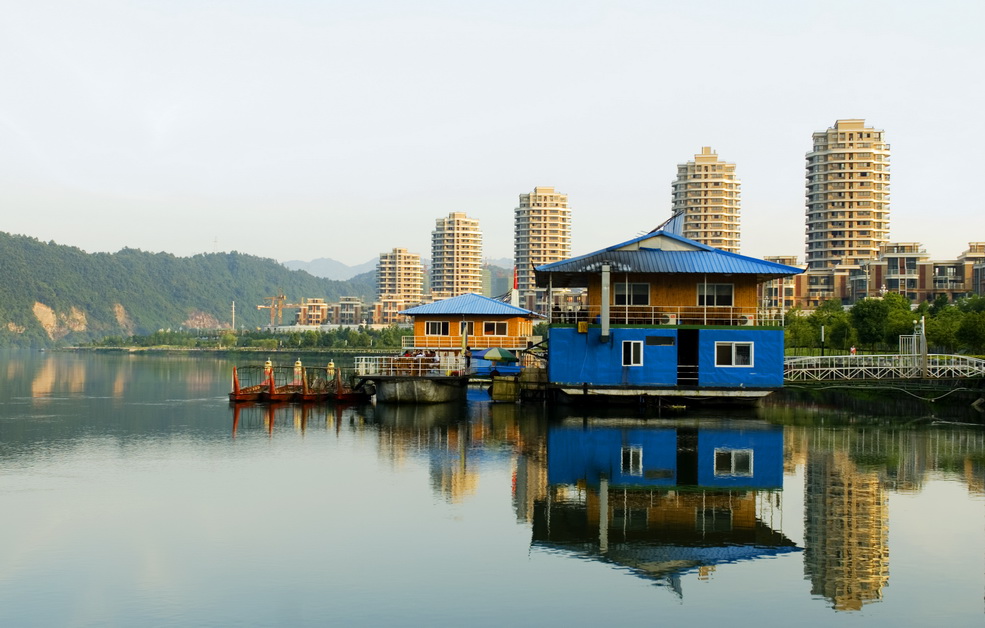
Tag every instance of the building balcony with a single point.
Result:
(639, 315)
(472, 341)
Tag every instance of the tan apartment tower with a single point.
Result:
(456, 256)
(847, 195)
(400, 275)
(399, 284)
(707, 192)
(541, 235)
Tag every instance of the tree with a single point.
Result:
(868, 316)
(942, 329)
(898, 323)
(940, 304)
(971, 332)
(831, 315)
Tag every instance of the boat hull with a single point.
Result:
(401, 389)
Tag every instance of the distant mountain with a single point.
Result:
(330, 268)
(503, 262)
(54, 294)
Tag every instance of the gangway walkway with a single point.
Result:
(890, 366)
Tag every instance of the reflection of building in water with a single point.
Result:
(846, 531)
(438, 431)
(974, 474)
(663, 501)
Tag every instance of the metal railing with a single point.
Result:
(472, 341)
(664, 315)
(424, 366)
(891, 366)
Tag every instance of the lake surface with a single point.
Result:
(131, 493)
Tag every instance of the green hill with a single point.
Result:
(54, 294)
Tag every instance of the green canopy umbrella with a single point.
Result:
(497, 354)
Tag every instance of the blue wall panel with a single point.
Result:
(767, 457)
(578, 358)
(767, 369)
(575, 454)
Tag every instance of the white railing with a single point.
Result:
(664, 315)
(425, 366)
(891, 366)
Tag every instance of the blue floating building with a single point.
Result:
(665, 316)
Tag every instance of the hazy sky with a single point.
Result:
(298, 129)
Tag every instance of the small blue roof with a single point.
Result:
(659, 252)
(470, 304)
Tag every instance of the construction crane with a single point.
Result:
(277, 305)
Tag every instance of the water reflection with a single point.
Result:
(849, 475)
(670, 497)
(825, 506)
(663, 499)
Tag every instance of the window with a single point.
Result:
(632, 353)
(733, 354)
(436, 328)
(733, 462)
(466, 327)
(632, 460)
(715, 294)
(494, 328)
(631, 294)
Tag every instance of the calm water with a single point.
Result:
(131, 493)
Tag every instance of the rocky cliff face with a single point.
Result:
(59, 324)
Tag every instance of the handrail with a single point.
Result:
(424, 366)
(885, 366)
(674, 315)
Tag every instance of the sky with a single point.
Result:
(302, 129)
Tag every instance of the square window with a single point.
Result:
(631, 294)
(632, 353)
(494, 328)
(734, 354)
(436, 328)
(716, 294)
(733, 462)
(632, 460)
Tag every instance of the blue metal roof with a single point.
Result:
(659, 252)
(470, 304)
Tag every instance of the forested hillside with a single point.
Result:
(51, 293)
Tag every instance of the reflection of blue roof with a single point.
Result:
(470, 304)
(660, 252)
(671, 561)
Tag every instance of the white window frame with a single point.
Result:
(441, 326)
(713, 290)
(496, 326)
(733, 455)
(635, 348)
(631, 460)
(619, 293)
(466, 325)
(732, 364)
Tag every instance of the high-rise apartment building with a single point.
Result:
(456, 256)
(542, 234)
(400, 275)
(707, 192)
(847, 195)
(399, 284)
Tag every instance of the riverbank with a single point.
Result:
(236, 351)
